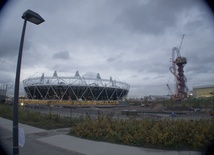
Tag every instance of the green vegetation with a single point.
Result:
(6, 111)
(154, 133)
(148, 132)
(37, 119)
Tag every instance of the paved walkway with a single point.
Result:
(58, 138)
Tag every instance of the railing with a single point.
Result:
(115, 112)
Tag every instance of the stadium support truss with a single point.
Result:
(75, 88)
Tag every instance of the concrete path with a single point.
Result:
(87, 147)
(8, 124)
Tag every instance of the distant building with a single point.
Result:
(3, 91)
(158, 97)
(203, 91)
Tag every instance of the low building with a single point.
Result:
(158, 97)
(203, 91)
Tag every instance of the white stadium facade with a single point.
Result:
(75, 88)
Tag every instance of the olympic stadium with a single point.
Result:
(75, 88)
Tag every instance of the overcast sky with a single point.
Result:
(130, 40)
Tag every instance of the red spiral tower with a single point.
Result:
(177, 69)
(181, 79)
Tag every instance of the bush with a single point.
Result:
(37, 119)
(6, 111)
(165, 134)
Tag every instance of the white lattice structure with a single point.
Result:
(75, 88)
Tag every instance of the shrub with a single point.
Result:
(166, 134)
(38, 119)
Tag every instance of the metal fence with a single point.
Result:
(117, 114)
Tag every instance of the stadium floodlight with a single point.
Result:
(36, 19)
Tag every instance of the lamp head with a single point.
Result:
(33, 17)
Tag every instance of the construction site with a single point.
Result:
(157, 110)
(77, 90)
(84, 96)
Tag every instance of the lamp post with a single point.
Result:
(36, 19)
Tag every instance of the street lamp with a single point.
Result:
(36, 19)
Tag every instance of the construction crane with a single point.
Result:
(176, 69)
(170, 91)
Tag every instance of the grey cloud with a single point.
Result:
(10, 45)
(64, 55)
(128, 39)
(149, 18)
(90, 74)
(116, 57)
(154, 17)
(7, 77)
(111, 59)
